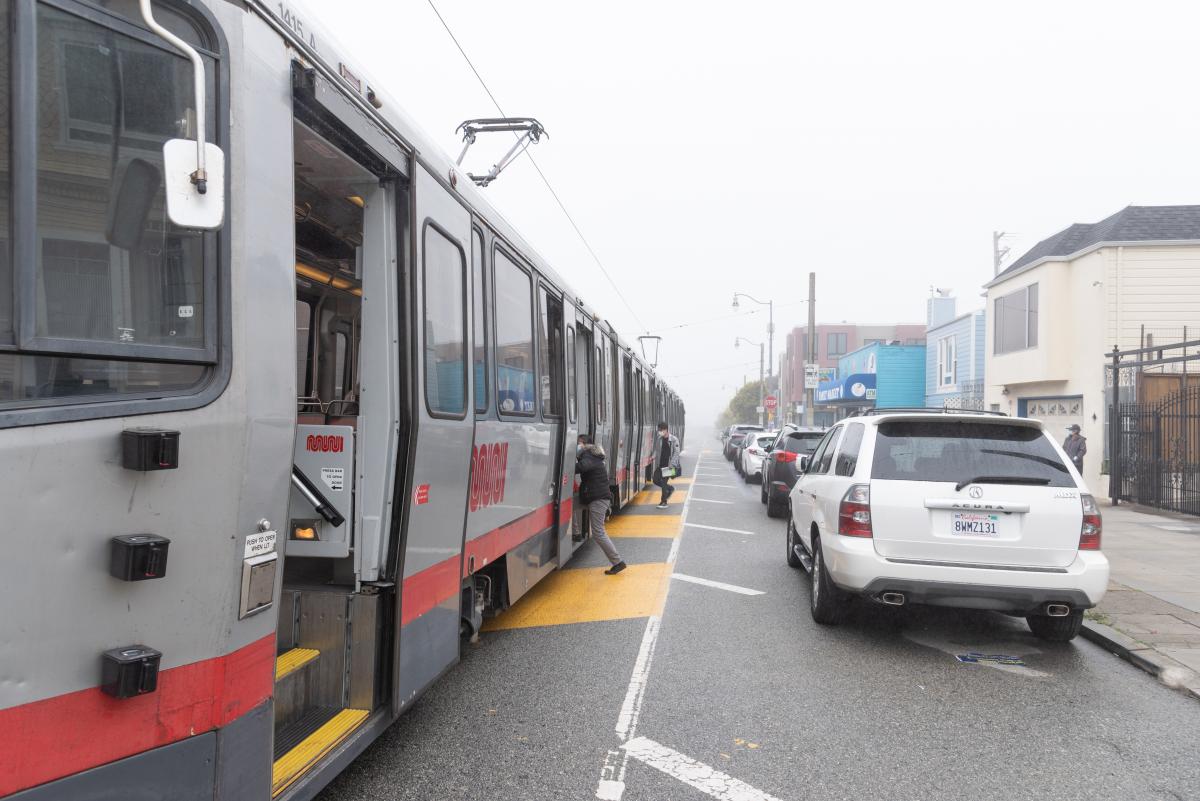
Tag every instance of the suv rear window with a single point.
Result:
(804, 443)
(766, 441)
(957, 451)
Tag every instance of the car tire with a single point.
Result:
(1056, 629)
(792, 541)
(775, 508)
(826, 601)
(762, 494)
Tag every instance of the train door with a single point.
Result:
(628, 429)
(606, 425)
(639, 411)
(580, 406)
(557, 415)
(437, 501)
(332, 633)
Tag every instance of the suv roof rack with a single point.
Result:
(929, 409)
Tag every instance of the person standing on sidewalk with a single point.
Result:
(596, 496)
(668, 460)
(1075, 446)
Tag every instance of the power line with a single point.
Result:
(724, 317)
(712, 370)
(545, 180)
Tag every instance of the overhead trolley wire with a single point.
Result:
(545, 180)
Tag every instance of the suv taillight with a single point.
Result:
(784, 456)
(1089, 535)
(854, 514)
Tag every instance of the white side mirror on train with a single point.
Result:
(193, 170)
(187, 205)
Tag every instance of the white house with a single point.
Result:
(1057, 311)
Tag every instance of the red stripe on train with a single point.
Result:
(56, 737)
(430, 587)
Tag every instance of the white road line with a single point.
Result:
(720, 585)
(706, 500)
(612, 773)
(718, 528)
(712, 484)
(708, 780)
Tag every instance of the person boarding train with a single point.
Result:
(596, 497)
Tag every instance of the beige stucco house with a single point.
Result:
(1055, 313)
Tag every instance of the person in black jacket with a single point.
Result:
(594, 494)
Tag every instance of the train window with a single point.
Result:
(479, 322)
(445, 325)
(122, 304)
(341, 372)
(550, 352)
(600, 416)
(6, 276)
(304, 354)
(513, 294)
(571, 387)
(107, 104)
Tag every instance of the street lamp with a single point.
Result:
(770, 304)
(762, 413)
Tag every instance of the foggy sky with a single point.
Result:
(705, 148)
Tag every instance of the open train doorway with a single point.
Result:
(334, 645)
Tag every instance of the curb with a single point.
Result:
(1139, 655)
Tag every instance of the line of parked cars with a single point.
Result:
(946, 508)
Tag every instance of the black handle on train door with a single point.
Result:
(314, 496)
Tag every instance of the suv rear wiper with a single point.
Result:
(1035, 480)
(1057, 465)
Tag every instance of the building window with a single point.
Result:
(835, 344)
(1017, 320)
(947, 363)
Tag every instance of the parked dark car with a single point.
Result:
(735, 436)
(783, 465)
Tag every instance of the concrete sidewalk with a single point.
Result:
(1151, 614)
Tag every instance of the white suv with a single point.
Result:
(961, 509)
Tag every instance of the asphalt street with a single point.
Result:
(643, 686)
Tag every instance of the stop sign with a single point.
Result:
(770, 402)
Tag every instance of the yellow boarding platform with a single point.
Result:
(586, 595)
(294, 763)
(293, 660)
(649, 497)
(660, 526)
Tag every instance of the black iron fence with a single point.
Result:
(1154, 426)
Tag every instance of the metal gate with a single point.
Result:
(1154, 427)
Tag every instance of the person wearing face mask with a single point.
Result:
(668, 460)
(595, 496)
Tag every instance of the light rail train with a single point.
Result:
(261, 473)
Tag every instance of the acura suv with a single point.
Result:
(963, 509)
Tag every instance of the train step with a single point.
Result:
(295, 682)
(310, 738)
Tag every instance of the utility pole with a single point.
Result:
(810, 395)
(999, 252)
(762, 390)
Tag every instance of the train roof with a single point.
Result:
(303, 28)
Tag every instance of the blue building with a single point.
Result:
(954, 356)
(879, 375)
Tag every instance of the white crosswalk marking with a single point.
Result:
(687, 770)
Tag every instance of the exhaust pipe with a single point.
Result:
(1058, 610)
(892, 598)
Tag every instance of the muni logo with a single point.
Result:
(489, 463)
(324, 443)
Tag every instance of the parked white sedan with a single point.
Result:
(753, 455)
(951, 509)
